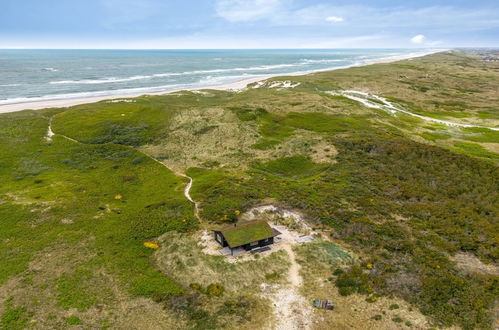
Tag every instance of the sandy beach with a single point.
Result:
(68, 102)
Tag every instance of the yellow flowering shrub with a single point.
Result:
(151, 245)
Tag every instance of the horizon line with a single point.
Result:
(283, 48)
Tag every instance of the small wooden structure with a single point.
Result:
(248, 235)
(324, 304)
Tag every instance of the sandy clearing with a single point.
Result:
(291, 310)
(276, 84)
(471, 264)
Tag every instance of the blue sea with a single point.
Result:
(36, 75)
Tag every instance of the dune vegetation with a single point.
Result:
(405, 196)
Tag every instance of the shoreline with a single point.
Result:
(234, 86)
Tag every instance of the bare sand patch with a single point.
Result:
(470, 263)
(494, 147)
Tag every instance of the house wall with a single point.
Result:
(220, 239)
(260, 243)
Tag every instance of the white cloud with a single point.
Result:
(247, 10)
(360, 17)
(418, 39)
(335, 19)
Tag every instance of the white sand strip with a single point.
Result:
(363, 98)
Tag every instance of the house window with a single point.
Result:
(219, 237)
(253, 244)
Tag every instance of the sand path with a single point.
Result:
(291, 310)
(366, 100)
(187, 190)
(294, 270)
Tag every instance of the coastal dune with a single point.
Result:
(55, 102)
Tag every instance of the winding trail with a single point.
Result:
(382, 103)
(50, 133)
(291, 309)
(187, 189)
(294, 270)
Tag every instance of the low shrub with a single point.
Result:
(74, 320)
(215, 289)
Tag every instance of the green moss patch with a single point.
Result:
(295, 167)
(244, 233)
(475, 150)
(431, 136)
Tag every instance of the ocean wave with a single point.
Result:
(217, 80)
(50, 69)
(209, 81)
(78, 95)
(206, 77)
(10, 85)
(99, 81)
(322, 61)
(110, 80)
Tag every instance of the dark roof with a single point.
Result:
(247, 232)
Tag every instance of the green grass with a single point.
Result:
(14, 318)
(444, 114)
(322, 123)
(265, 144)
(77, 290)
(273, 127)
(324, 253)
(483, 135)
(209, 187)
(74, 320)
(490, 113)
(248, 114)
(296, 167)
(79, 183)
(475, 150)
(432, 136)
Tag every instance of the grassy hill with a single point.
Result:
(414, 201)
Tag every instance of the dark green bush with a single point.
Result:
(397, 319)
(354, 280)
(197, 287)
(215, 289)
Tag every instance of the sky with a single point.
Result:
(187, 24)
